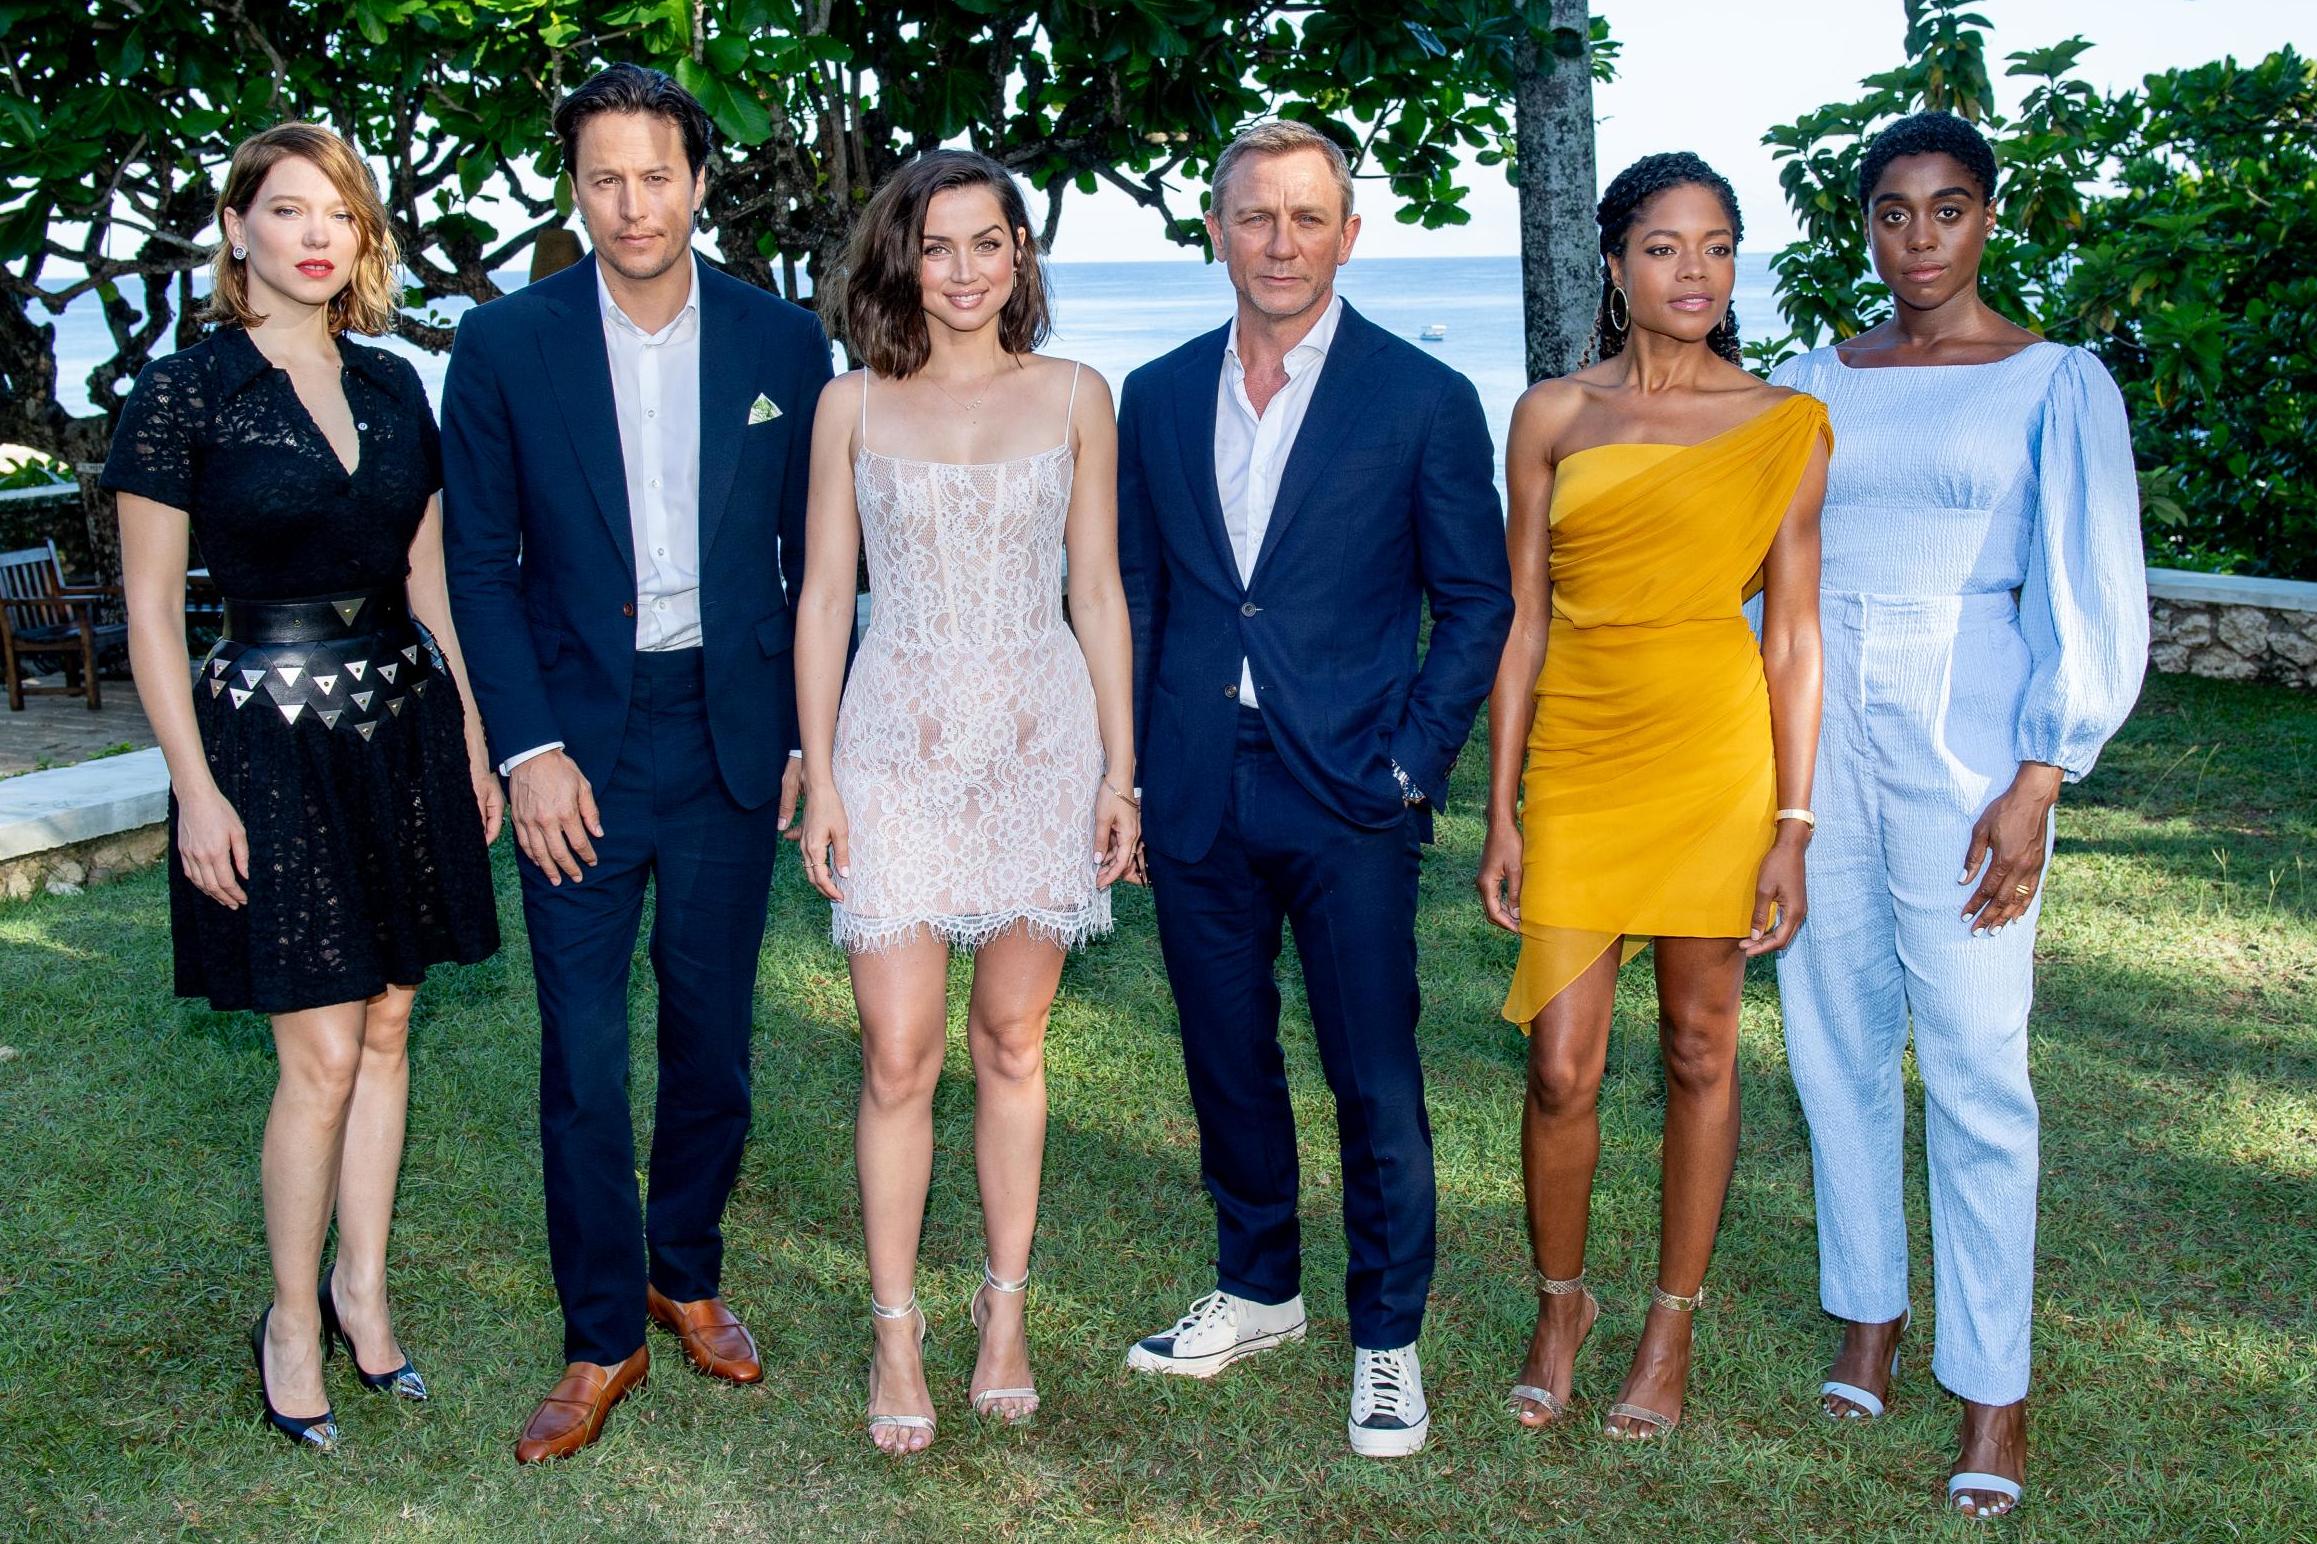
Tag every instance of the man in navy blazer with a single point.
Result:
(625, 447)
(1292, 488)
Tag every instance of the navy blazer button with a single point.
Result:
(1249, 609)
(628, 610)
(1232, 690)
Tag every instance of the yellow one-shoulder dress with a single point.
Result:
(1651, 792)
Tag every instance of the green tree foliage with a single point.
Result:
(2172, 230)
(116, 117)
(2197, 283)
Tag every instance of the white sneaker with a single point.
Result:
(1389, 1416)
(1218, 1331)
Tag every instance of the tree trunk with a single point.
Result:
(1553, 152)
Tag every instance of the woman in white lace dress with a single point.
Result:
(974, 789)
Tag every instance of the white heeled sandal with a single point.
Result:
(1554, 1405)
(983, 1401)
(903, 1423)
(1991, 1484)
(1868, 1407)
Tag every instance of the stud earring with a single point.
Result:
(240, 252)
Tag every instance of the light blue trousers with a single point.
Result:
(1922, 704)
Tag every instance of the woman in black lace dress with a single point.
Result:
(331, 805)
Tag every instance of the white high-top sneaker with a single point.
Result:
(1218, 1331)
(1389, 1416)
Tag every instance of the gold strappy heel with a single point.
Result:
(1555, 1405)
(1661, 1425)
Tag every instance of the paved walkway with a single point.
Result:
(58, 731)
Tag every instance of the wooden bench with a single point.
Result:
(43, 617)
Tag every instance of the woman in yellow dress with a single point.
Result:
(1668, 755)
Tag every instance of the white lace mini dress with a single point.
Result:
(968, 754)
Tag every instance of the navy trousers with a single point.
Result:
(667, 822)
(1351, 895)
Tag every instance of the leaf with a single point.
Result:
(738, 115)
(23, 230)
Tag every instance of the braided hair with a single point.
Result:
(1932, 132)
(1621, 205)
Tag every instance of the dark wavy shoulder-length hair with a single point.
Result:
(880, 299)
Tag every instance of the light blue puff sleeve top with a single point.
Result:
(2014, 475)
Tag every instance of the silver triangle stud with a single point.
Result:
(291, 710)
(289, 673)
(348, 610)
(216, 686)
(217, 667)
(394, 706)
(323, 683)
(386, 671)
(366, 730)
(362, 700)
(410, 652)
(329, 717)
(356, 668)
(240, 696)
(419, 687)
(250, 678)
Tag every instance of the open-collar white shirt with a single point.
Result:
(1251, 448)
(655, 391)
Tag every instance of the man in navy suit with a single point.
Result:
(625, 447)
(1291, 488)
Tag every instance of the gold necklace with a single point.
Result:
(968, 408)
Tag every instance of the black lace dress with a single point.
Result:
(345, 755)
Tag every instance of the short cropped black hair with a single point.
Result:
(631, 88)
(1928, 133)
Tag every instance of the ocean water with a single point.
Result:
(1116, 316)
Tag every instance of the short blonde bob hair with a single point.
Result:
(367, 304)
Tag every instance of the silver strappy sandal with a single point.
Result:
(1661, 1425)
(904, 1423)
(983, 1401)
(1555, 1406)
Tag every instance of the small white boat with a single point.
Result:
(1436, 333)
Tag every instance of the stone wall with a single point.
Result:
(2233, 629)
(67, 870)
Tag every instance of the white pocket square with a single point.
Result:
(763, 410)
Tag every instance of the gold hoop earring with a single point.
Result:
(1620, 312)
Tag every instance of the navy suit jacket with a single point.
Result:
(1388, 500)
(536, 532)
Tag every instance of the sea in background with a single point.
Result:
(1117, 316)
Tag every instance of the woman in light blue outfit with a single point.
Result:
(1986, 625)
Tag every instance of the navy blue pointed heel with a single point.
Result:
(319, 1431)
(404, 1382)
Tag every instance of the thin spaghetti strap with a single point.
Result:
(1071, 412)
(864, 432)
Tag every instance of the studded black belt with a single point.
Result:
(322, 619)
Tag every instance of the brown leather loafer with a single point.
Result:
(717, 1342)
(572, 1414)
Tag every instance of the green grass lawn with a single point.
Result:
(2176, 1059)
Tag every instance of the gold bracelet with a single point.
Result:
(1804, 816)
(1129, 799)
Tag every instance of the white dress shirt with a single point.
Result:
(655, 390)
(655, 393)
(1251, 448)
